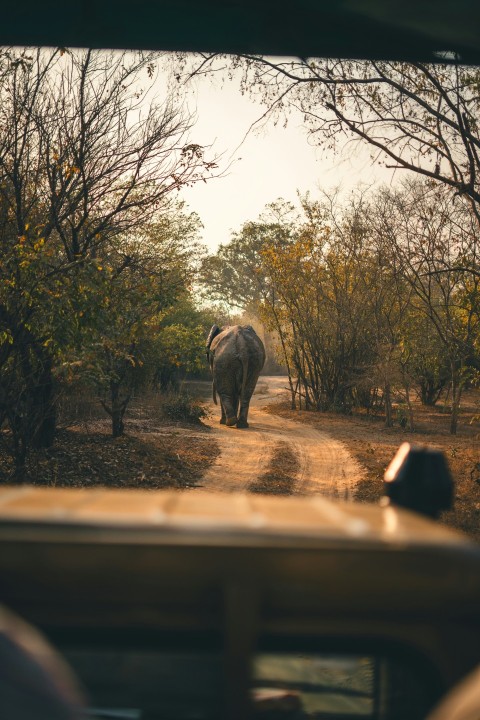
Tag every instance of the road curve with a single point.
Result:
(325, 466)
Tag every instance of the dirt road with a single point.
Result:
(324, 465)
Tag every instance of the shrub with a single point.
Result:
(182, 407)
(402, 415)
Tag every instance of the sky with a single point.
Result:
(268, 163)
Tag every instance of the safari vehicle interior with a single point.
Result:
(190, 605)
(202, 606)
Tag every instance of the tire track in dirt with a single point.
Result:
(325, 466)
(244, 456)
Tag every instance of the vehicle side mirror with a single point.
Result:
(419, 479)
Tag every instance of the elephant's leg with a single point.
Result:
(244, 407)
(228, 376)
(242, 418)
(223, 419)
(228, 404)
(242, 421)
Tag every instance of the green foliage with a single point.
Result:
(235, 275)
(402, 415)
(94, 253)
(176, 345)
(368, 298)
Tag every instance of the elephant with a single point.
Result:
(236, 356)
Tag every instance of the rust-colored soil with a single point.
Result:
(323, 464)
(279, 478)
(152, 457)
(283, 452)
(373, 446)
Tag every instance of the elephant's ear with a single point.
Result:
(212, 334)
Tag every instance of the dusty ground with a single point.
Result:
(280, 476)
(150, 455)
(373, 446)
(283, 452)
(323, 465)
(275, 455)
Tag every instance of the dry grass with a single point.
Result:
(373, 446)
(136, 460)
(153, 453)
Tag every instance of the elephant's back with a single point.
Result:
(251, 346)
(225, 347)
(236, 342)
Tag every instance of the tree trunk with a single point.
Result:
(447, 395)
(293, 405)
(406, 386)
(456, 396)
(411, 422)
(44, 411)
(117, 409)
(387, 398)
(117, 423)
(308, 402)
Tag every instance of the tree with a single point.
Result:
(127, 295)
(426, 361)
(85, 159)
(427, 237)
(234, 275)
(323, 282)
(370, 298)
(417, 117)
(178, 347)
(237, 275)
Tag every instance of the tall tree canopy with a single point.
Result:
(89, 160)
(417, 117)
(370, 298)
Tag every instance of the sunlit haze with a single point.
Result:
(267, 163)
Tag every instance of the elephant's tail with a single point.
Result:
(214, 393)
